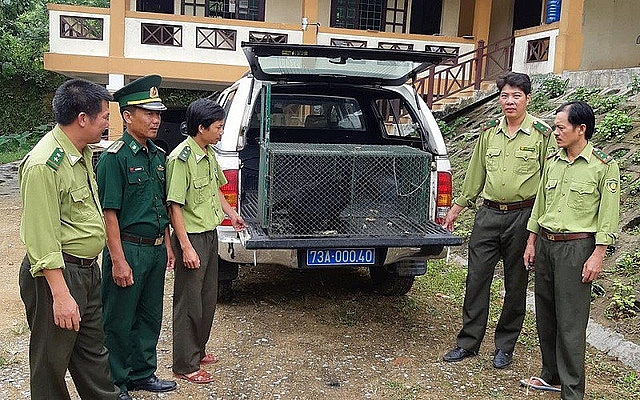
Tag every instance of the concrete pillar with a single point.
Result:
(310, 12)
(482, 20)
(570, 41)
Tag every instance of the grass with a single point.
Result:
(7, 156)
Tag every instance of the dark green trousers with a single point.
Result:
(195, 294)
(562, 312)
(53, 350)
(133, 315)
(496, 234)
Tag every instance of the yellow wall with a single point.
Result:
(610, 30)
(288, 12)
(450, 16)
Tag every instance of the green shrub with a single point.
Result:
(614, 125)
(553, 87)
(627, 263)
(622, 303)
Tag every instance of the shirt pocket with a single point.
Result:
(138, 184)
(82, 205)
(551, 191)
(580, 196)
(493, 158)
(201, 189)
(527, 161)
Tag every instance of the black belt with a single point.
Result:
(564, 237)
(141, 240)
(83, 262)
(518, 205)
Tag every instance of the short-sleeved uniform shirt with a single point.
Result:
(193, 181)
(131, 180)
(504, 169)
(61, 210)
(579, 196)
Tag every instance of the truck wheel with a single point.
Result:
(225, 291)
(227, 272)
(388, 283)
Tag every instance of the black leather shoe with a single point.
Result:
(502, 359)
(124, 395)
(457, 354)
(154, 384)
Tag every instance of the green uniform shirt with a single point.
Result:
(131, 180)
(61, 210)
(503, 169)
(193, 180)
(579, 196)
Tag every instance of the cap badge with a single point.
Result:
(153, 92)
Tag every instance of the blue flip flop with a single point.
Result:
(528, 383)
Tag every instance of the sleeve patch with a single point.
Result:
(115, 147)
(56, 158)
(602, 156)
(184, 154)
(612, 185)
(542, 127)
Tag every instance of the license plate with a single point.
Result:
(341, 256)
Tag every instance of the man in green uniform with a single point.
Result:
(197, 207)
(131, 183)
(505, 168)
(574, 219)
(63, 230)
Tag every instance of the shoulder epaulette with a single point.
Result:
(55, 159)
(553, 154)
(602, 156)
(115, 147)
(184, 154)
(160, 149)
(542, 128)
(490, 124)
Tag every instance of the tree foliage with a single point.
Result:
(25, 86)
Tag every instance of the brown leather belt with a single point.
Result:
(141, 240)
(518, 205)
(564, 237)
(83, 262)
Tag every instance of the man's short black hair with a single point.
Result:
(514, 79)
(203, 112)
(578, 113)
(77, 96)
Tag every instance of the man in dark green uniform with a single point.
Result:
(131, 183)
(63, 230)
(505, 167)
(574, 219)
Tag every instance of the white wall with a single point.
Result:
(188, 51)
(78, 46)
(520, 53)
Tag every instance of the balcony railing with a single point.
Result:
(484, 63)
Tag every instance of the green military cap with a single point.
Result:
(143, 93)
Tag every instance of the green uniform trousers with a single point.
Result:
(562, 312)
(133, 315)
(195, 294)
(496, 234)
(53, 350)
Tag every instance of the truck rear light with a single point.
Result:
(444, 195)
(230, 192)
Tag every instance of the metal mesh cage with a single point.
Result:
(341, 189)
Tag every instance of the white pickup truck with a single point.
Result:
(333, 160)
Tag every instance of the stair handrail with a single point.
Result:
(443, 82)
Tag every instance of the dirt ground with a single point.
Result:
(323, 334)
